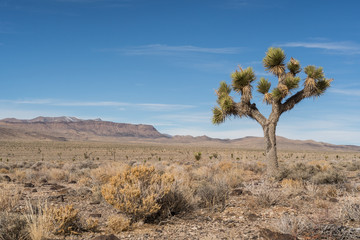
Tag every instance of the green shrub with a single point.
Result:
(197, 155)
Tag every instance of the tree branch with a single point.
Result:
(292, 101)
(250, 110)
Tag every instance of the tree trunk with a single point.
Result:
(270, 149)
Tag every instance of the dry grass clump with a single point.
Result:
(230, 172)
(212, 192)
(350, 210)
(292, 187)
(118, 223)
(38, 221)
(138, 192)
(43, 221)
(12, 226)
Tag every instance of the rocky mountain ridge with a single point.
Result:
(75, 129)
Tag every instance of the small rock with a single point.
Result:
(252, 217)
(59, 198)
(6, 178)
(55, 187)
(236, 192)
(106, 237)
(29, 185)
(267, 234)
(43, 180)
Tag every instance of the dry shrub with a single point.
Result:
(212, 192)
(4, 171)
(291, 183)
(179, 199)
(9, 196)
(312, 189)
(12, 227)
(138, 192)
(320, 164)
(57, 174)
(118, 223)
(320, 203)
(65, 220)
(225, 166)
(350, 210)
(291, 186)
(20, 175)
(232, 175)
(211, 184)
(330, 176)
(353, 166)
(318, 174)
(105, 172)
(257, 167)
(292, 225)
(265, 194)
(92, 225)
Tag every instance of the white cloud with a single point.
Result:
(122, 105)
(345, 47)
(162, 49)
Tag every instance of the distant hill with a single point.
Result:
(71, 128)
(75, 129)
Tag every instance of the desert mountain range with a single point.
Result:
(75, 129)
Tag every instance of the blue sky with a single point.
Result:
(159, 62)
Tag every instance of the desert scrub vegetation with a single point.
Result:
(13, 226)
(138, 192)
(143, 193)
(314, 173)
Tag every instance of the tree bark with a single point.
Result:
(271, 149)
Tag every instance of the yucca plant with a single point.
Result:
(280, 97)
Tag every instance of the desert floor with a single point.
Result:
(75, 190)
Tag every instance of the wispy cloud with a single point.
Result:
(162, 49)
(350, 92)
(123, 105)
(345, 47)
(193, 117)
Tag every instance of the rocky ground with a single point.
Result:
(255, 208)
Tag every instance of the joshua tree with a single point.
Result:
(280, 98)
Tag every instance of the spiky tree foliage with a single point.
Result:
(281, 97)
